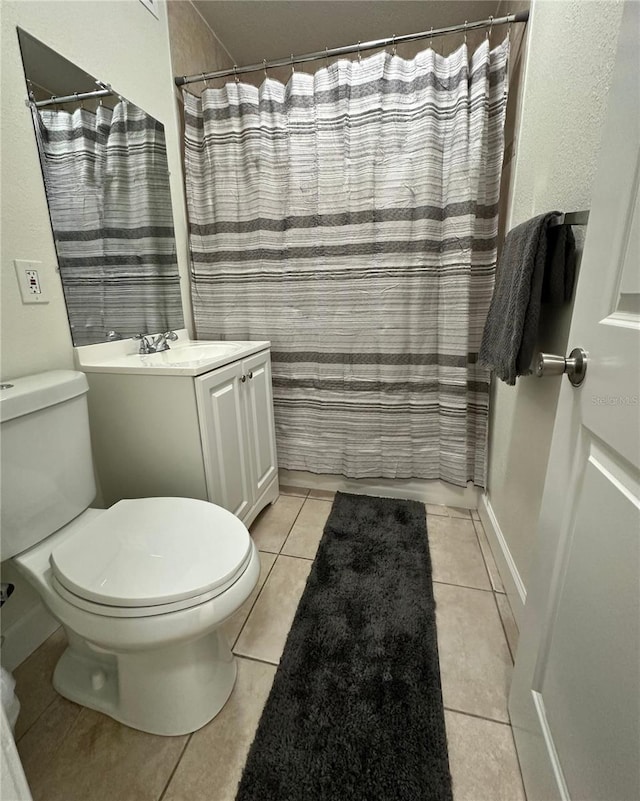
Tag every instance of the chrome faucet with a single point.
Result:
(160, 342)
(150, 345)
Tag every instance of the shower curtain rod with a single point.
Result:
(75, 97)
(521, 16)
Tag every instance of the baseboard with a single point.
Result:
(513, 584)
(436, 492)
(25, 635)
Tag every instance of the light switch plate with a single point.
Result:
(31, 281)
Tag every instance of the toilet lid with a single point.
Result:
(152, 551)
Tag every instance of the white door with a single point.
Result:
(261, 438)
(221, 410)
(575, 696)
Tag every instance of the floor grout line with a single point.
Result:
(515, 748)
(257, 659)
(462, 586)
(504, 629)
(296, 556)
(175, 768)
(277, 555)
(266, 578)
(479, 717)
(484, 559)
(294, 522)
(37, 718)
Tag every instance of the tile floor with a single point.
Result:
(72, 754)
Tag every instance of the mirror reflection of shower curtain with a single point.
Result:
(107, 184)
(350, 217)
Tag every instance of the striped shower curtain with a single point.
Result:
(107, 183)
(350, 217)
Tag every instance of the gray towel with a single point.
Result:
(533, 256)
(560, 267)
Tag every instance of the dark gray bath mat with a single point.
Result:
(355, 712)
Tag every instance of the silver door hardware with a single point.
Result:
(251, 374)
(575, 365)
(243, 378)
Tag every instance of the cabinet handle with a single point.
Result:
(251, 374)
(243, 378)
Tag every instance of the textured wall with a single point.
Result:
(570, 53)
(121, 43)
(194, 46)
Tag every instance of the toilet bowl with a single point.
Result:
(141, 588)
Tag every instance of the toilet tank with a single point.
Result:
(46, 476)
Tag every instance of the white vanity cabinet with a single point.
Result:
(236, 419)
(177, 424)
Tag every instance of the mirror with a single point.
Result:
(104, 165)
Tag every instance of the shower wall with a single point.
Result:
(194, 46)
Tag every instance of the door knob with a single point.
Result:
(251, 374)
(243, 378)
(575, 365)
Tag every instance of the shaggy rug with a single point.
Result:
(355, 712)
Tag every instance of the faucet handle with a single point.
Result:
(160, 343)
(145, 346)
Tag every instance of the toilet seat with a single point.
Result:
(150, 556)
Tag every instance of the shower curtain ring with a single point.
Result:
(264, 67)
(359, 53)
(490, 27)
(235, 73)
(326, 56)
(394, 46)
(293, 69)
(431, 38)
(465, 31)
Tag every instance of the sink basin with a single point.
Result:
(185, 357)
(193, 353)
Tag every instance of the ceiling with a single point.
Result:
(253, 30)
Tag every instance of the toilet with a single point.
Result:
(141, 588)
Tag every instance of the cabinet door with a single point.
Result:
(220, 406)
(261, 439)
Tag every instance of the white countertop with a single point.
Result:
(184, 357)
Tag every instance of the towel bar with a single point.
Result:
(570, 218)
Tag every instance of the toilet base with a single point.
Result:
(170, 691)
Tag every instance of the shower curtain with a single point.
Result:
(350, 217)
(107, 184)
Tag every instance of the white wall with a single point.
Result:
(122, 43)
(570, 53)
